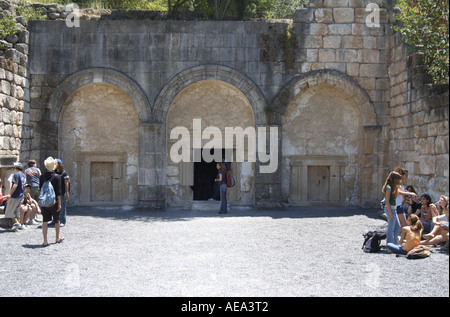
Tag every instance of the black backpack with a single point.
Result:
(372, 241)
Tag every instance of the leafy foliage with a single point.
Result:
(425, 26)
(8, 21)
(7, 26)
(213, 9)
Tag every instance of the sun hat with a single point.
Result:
(50, 164)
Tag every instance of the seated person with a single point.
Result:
(440, 231)
(427, 212)
(413, 202)
(410, 236)
(29, 207)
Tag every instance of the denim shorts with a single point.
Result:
(401, 210)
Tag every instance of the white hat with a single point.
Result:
(50, 164)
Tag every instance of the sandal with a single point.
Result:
(60, 240)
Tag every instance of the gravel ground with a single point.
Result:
(294, 252)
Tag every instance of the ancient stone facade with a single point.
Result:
(347, 101)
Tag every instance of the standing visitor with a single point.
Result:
(222, 181)
(391, 190)
(401, 212)
(64, 191)
(16, 197)
(51, 211)
(33, 174)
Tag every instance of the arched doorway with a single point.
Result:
(213, 104)
(99, 145)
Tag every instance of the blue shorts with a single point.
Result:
(401, 210)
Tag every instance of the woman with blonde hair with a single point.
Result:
(440, 231)
(442, 204)
(410, 236)
(391, 190)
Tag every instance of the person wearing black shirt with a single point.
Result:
(52, 211)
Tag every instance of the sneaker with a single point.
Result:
(32, 222)
(23, 227)
(15, 227)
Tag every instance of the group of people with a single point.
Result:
(410, 216)
(22, 202)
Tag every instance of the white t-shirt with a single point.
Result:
(400, 198)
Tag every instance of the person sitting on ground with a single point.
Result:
(440, 231)
(413, 202)
(3, 199)
(410, 236)
(427, 212)
(29, 207)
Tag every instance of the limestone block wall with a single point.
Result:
(15, 132)
(328, 47)
(418, 123)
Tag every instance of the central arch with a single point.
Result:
(221, 97)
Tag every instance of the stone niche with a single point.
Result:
(99, 145)
(317, 180)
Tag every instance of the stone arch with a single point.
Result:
(206, 72)
(219, 105)
(328, 136)
(98, 75)
(327, 77)
(101, 155)
(120, 164)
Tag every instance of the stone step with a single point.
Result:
(4, 222)
(207, 205)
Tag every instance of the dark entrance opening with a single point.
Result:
(204, 175)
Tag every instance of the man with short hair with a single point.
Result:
(16, 197)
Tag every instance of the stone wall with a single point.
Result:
(418, 123)
(15, 133)
(399, 119)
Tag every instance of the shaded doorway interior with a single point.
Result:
(204, 175)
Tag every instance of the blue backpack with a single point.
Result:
(47, 197)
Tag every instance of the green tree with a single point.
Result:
(424, 25)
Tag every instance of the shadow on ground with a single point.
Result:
(179, 214)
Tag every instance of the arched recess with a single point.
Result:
(86, 109)
(215, 105)
(216, 81)
(329, 128)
